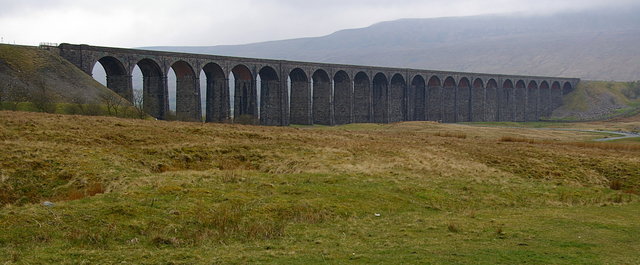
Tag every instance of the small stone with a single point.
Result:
(48, 204)
(377, 215)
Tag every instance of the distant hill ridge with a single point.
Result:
(593, 45)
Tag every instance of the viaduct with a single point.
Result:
(278, 92)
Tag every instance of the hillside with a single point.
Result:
(593, 45)
(599, 100)
(28, 74)
(153, 192)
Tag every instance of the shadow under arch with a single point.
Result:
(155, 95)
(397, 94)
(245, 106)
(418, 105)
(478, 98)
(380, 98)
(342, 98)
(449, 100)
(217, 103)
(118, 79)
(361, 98)
(270, 104)
(434, 99)
(321, 97)
(187, 92)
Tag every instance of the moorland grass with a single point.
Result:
(150, 192)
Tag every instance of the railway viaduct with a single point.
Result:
(278, 92)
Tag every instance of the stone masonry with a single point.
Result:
(279, 92)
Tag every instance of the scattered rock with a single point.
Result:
(48, 204)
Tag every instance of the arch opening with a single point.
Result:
(463, 100)
(520, 100)
(507, 101)
(343, 98)
(300, 98)
(449, 101)
(556, 95)
(567, 88)
(419, 96)
(478, 101)
(154, 98)
(380, 98)
(544, 100)
(361, 98)
(321, 98)
(532, 101)
(269, 100)
(491, 101)
(397, 103)
(245, 106)
(110, 72)
(434, 99)
(187, 92)
(216, 95)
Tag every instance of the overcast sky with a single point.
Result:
(136, 23)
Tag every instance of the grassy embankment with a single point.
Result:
(599, 100)
(149, 192)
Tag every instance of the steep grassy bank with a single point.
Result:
(32, 74)
(151, 192)
(599, 100)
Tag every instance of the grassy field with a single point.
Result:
(153, 192)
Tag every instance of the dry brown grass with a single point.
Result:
(173, 187)
(51, 148)
(513, 139)
(606, 145)
(458, 135)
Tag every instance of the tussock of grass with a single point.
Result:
(512, 139)
(607, 145)
(618, 146)
(451, 135)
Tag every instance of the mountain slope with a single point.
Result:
(594, 45)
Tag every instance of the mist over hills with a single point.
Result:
(593, 45)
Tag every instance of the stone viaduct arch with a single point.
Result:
(397, 103)
(187, 92)
(217, 107)
(277, 92)
(449, 113)
(380, 98)
(478, 101)
(419, 96)
(434, 99)
(544, 100)
(506, 101)
(300, 98)
(362, 103)
(520, 102)
(322, 101)
(463, 100)
(343, 98)
(532, 101)
(492, 101)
